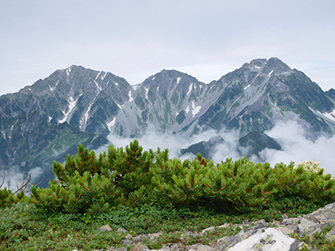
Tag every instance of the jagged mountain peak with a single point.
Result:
(260, 67)
(272, 62)
(276, 66)
(168, 78)
(264, 91)
(260, 64)
(171, 85)
(331, 93)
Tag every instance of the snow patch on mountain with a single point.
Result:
(53, 88)
(131, 99)
(189, 89)
(178, 80)
(146, 92)
(96, 83)
(68, 70)
(97, 75)
(195, 109)
(67, 115)
(118, 105)
(328, 116)
(84, 119)
(103, 77)
(111, 124)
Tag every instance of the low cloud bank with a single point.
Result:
(297, 148)
(290, 135)
(14, 179)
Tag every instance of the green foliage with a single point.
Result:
(302, 183)
(319, 241)
(90, 184)
(84, 193)
(132, 165)
(7, 198)
(25, 228)
(93, 184)
(84, 161)
(176, 182)
(240, 184)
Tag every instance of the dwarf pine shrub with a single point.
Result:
(92, 184)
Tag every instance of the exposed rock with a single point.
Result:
(331, 235)
(264, 239)
(323, 215)
(117, 249)
(127, 242)
(306, 226)
(105, 228)
(139, 247)
(258, 235)
(154, 236)
(122, 230)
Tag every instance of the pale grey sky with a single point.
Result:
(136, 39)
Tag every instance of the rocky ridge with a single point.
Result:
(258, 235)
(46, 121)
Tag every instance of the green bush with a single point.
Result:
(83, 193)
(92, 184)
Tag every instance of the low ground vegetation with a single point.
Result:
(147, 192)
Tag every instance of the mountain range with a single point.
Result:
(49, 119)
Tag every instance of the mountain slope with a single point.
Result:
(206, 148)
(265, 91)
(252, 143)
(255, 142)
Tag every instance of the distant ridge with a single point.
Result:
(50, 118)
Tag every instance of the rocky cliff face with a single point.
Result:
(263, 92)
(42, 122)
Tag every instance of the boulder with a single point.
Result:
(105, 228)
(260, 237)
(325, 215)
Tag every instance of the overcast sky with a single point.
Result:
(136, 39)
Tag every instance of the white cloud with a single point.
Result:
(297, 148)
(290, 135)
(14, 178)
